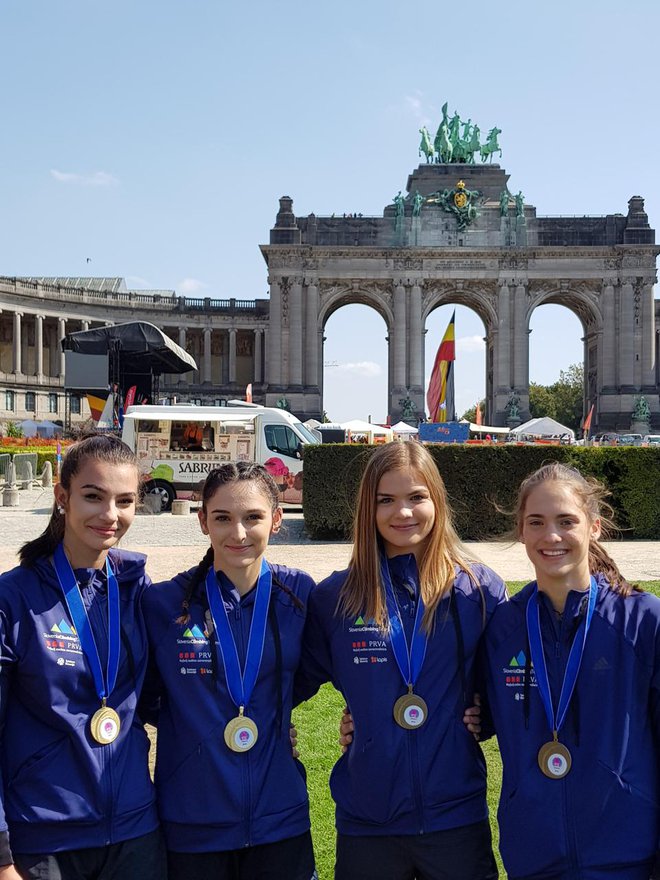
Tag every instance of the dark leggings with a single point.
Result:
(142, 858)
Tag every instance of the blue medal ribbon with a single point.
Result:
(241, 685)
(556, 719)
(104, 684)
(409, 659)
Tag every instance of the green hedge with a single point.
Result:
(481, 478)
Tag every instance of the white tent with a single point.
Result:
(45, 428)
(404, 428)
(357, 426)
(543, 427)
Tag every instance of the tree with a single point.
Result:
(471, 414)
(562, 400)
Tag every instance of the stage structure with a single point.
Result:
(458, 235)
(120, 357)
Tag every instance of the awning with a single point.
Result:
(143, 347)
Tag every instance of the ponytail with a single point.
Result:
(600, 562)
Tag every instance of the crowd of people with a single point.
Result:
(424, 644)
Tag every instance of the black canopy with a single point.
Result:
(141, 347)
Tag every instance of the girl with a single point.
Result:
(76, 799)
(397, 634)
(226, 638)
(574, 690)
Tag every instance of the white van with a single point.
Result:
(177, 446)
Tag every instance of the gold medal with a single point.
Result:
(554, 760)
(410, 710)
(105, 725)
(241, 733)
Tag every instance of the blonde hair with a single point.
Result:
(592, 496)
(363, 591)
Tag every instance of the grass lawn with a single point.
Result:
(317, 723)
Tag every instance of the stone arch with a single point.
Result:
(334, 298)
(585, 303)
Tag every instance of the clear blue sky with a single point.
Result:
(155, 138)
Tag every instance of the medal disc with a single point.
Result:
(241, 734)
(105, 725)
(410, 711)
(554, 760)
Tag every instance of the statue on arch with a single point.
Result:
(520, 204)
(426, 147)
(282, 403)
(491, 146)
(504, 203)
(408, 409)
(418, 201)
(641, 412)
(512, 410)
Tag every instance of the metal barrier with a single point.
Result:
(5, 458)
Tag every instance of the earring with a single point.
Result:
(60, 509)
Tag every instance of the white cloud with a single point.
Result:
(470, 344)
(96, 178)
(419, 109)
(191, 285)
(366, 369)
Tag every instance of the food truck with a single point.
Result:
(177, 446)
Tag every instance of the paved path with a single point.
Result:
(174, 543)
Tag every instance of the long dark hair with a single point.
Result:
(232, 472)
(100, 447)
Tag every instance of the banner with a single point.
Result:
(440, 394)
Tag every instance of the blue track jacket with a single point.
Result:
(210, 798)
(602, 820)
(391, 780)
(60, 789)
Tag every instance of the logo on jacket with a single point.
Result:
(193, 634)
(514, 673)
(62, 638)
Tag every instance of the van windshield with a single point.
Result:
(307, 434)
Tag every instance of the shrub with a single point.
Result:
(481, 479)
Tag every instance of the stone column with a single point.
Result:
(257, 356)
(17, 350)
(232, 355)
(608, 338)
(647, 318)
(626, 331)
(183, 378)
(520, 340)
(84, 325)
(503, 350)
(295, 333)
(312, 335)
(399, 360)
(61, 333)
(274, 373)
(416, 366)
(39, 346)
(207, 355)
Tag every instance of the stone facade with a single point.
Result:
(226, 338)
(503, 265)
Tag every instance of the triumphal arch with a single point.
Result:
(457, 235)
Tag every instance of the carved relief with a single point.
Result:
(408, 264)
(244, 344)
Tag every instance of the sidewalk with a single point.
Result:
(175, 543)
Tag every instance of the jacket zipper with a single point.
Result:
(568, 830)
(413, 751)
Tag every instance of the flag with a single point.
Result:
(586, 425)
(129, 400)
(248, 393)
(478, 419)
(440, 394)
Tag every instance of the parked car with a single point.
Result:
(651, 440)
(630, 440)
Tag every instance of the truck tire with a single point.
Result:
(164, 490)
